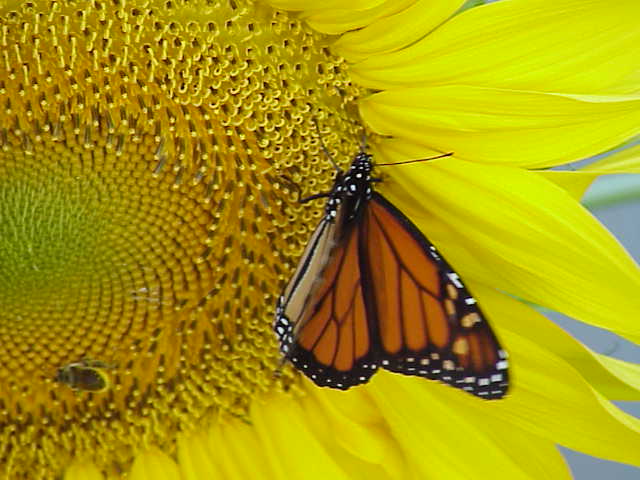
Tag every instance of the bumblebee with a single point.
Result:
(86, 375)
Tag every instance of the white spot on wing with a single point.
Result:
(455, 279)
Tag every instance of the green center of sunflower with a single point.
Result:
(48, 231)
(147, 217)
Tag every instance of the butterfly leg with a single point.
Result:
(315, 197)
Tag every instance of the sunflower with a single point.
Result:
(151, 154)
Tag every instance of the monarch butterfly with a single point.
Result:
(370, 291)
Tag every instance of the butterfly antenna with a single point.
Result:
(363, 141)
(324, 148)
(415, 161)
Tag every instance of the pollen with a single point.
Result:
(151, 155)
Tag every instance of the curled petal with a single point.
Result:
(577, 182)
(343, 19)
(574, 183)
(392, 32)
(365, 437)
(627, 372)
(307, 5)
(624, 161)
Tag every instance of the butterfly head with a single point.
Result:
(357, 180)
(351, 188)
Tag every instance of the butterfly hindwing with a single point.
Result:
(429, 324)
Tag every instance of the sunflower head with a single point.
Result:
(151, 157)
(149, 154)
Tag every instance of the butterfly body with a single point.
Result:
(372, 292)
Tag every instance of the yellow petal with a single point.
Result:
(298, 5)
(624, 161)
(82, 470)
(393, 32)
(338, 20)
(154, 464)
(571, 46)
(291, 444)
(504, 126)
(628, 372)
(197, 460)
(343, 435)
(363, 436)
(602, 375)
(549, 397)
(577, 182)
(230, 457)
(521, 234)
(448, 435)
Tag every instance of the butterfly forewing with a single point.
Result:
(331, 340)
(321, 320)
(314, 258)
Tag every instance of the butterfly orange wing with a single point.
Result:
(331, 340)
(428, 324)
